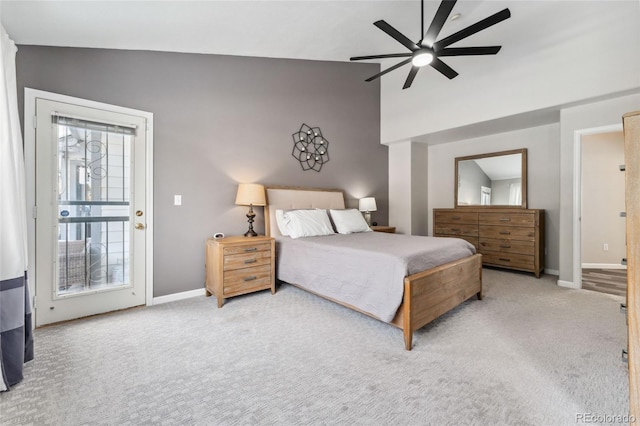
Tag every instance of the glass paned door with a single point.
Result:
(93, 199)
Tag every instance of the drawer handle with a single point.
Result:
(505, 219)
(505, 245)
(455, 229)
(250, 261)
(455, 217)
(251, 249)
(505, 233)
(504, 259)
(251, 278)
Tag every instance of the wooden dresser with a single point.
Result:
(508, 238)
(239, 265)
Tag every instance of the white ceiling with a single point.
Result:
(315, 30)
(501, 167)
(321, 30)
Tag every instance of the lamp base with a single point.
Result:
(250, 216)
(367, 218)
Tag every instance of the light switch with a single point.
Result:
(177, 200)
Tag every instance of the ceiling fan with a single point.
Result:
(428, 51)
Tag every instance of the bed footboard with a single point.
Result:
(429, 294)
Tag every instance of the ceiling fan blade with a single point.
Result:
(472, 29)
(438, 22)
(467, 51)
(410, 77)
(397, 35)
(444, 68)
(380, 74)
(390, 55)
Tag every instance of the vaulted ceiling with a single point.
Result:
(316, 30)
(544, 41)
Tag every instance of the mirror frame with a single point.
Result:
(522, 151)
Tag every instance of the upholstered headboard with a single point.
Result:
(289, 197)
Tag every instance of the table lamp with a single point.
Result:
(250, 194)
(367, 205)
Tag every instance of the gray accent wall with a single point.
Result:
(219, 121)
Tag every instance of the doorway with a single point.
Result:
(91, 187)
(599, 227)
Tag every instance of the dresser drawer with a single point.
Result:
(457, 217)
(247, 248)
(508, 219)
(507, 232)
(446, 229)
(247, 279)
(507, 246)
(246, 260)
(519, 261)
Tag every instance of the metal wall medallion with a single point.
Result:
(310, 148)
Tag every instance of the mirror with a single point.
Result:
(498, 179)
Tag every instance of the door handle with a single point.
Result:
(139, 225)
(139, 213)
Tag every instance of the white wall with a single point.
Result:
(408, 188)
(596, 114)
(603, 198)
(543, 163)
(400, 187)
(598, 56)
(419, 189)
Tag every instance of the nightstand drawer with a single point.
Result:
(247, 248)
(247, 279)
(246, 260)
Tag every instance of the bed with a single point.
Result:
(425, 289)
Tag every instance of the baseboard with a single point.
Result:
(568, 284)
(178, 296)
(552, 271)
(603, 266)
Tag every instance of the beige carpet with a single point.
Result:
(531, 353)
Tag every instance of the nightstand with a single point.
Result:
(239, 265)
(387, 229)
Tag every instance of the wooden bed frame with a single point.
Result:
(427, 294)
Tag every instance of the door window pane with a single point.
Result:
(93, 205)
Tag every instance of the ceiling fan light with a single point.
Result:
(421, 59)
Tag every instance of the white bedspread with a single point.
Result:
(365, 270)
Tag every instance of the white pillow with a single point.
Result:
(307, 223)
(282, 225)
(349, 221)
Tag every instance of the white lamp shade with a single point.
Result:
(250, 194)
(367, 204)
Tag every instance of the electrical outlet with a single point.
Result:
(177, 200)
(605, 247)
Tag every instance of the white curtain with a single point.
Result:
(16, 340)
(515, 194)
